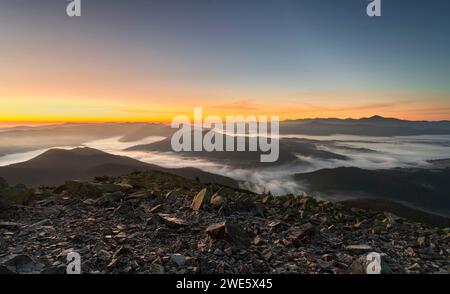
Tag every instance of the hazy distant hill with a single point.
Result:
(372, 126)
(57, 165)
(15, 140)
(425, 188)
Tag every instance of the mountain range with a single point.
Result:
(372, 126)
(22, 139)
(56, 166)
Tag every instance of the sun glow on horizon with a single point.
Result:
(336, 104)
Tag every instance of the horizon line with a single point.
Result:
(39, 122)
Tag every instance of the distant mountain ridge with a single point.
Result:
(371, 119)
(55, 166)
(371, 126)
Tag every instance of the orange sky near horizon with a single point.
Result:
(97, 111)
(111, 107)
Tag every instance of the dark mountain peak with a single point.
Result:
(379, 118)
(75, 151)
(86, 151)
(72, 159)
(376, 117)
(57, 153)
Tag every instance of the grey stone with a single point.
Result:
(21, 264)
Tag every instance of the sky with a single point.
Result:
(150, 60)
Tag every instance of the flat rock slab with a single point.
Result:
(359, 248)
(230, 232)
(171, 220)
(20, 264)
(202, 196)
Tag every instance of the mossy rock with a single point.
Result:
(111, 188)
(80, 189)
(19, 194)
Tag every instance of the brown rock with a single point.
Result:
(258, 240)
(112, 264)
(265, 199)
(138, 195)
(201, 197)
(171, 221)
(229, 232)
(267, 254)
(410, 251)
(274, 224)
(216, 200)
(327, 257)
(297, 233)
(421, 241)
(154, 208)
(286, 242)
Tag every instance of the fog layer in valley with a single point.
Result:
(363, 152)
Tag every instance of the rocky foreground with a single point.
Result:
(153, 222)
